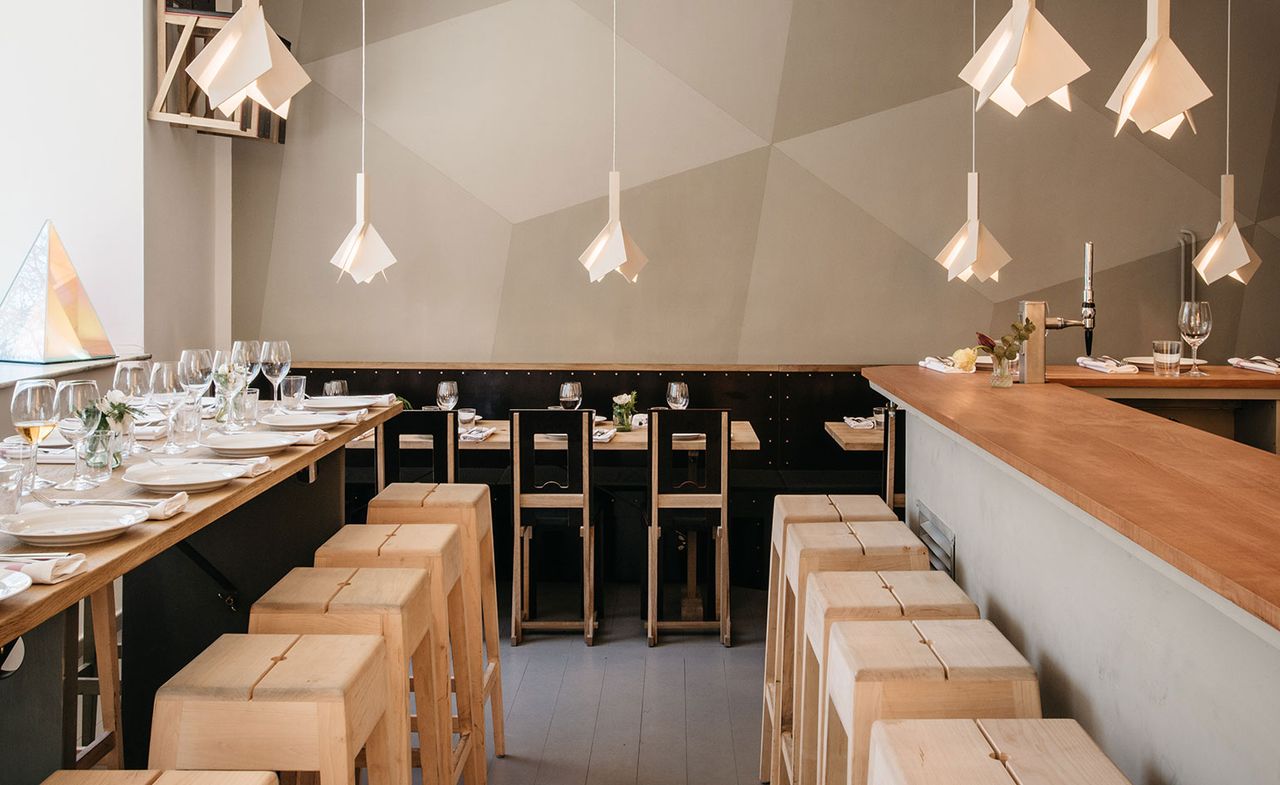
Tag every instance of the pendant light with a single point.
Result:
(247, 59)
(363, 254)
(1023, 61)
(1227, 253)
(1160, 87)
(613, 249)
(973, 251)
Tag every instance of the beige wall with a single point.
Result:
(789, 166)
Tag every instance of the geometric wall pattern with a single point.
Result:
(790, 167)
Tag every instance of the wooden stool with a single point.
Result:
(279, 703)
(161, 778)
(988, 752)
(438, 550)
(916, 670)
(854, 596)
(468, 506)
(815, 547)
(791, 509)
(393, 603)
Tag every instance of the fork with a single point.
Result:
(49, 502)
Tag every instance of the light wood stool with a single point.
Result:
(438, 550)
(824, 547)
(854, 596)
(988, 752)
(468, 506)
(916, 670)
(789, 509)
(393, 603)
(279, 703)
(161, 778)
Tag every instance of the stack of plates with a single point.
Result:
(249, 444)
(301, 421)
(71, 525)
(189, 477)
(12, 583)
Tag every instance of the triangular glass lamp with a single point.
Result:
(1023, 61)
(1227, 253)
(613, 249)
(973, 251)
(46, 316)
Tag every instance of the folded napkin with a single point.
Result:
(165, 509)
(860, 423)
(353, 417)
(1105, 366)
(639, 421)
(150, 433)
(48, 570)
(56, 455)
(603, 434)
(1254, 364)
(936, 364)
(383, 400)
(256, 466)
(476, 434)
(314, 436)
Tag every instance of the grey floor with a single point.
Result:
(621, 713)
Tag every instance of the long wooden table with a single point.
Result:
(742, 437)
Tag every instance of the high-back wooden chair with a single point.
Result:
(538, 489)
(692, 496)
(441, 426)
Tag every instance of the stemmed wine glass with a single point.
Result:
(248, 354)
(78, 416)
(275, 362)
(570, 395)
(167, 394)
(447, 395)
(195, 371)
(1195, 320)
(132, 379)
(678, 395)
(34, 413)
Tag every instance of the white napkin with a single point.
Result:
(639, 420)
(48, 570)
(1253, 365)
(353, 417)
(936, 364)
(603, 434)
(60, 455)
(860, 423)
(1105, 366)
(476, 434)
(149, 433)
(257, 466)
(314, 436)
(384, 400)
(167, 508)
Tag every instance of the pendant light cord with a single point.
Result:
(362, 83)
(614, 166)
(1228, 87)
(973, 102)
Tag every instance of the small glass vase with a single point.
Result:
(102, 452)
(622, 418)
(1002, 372)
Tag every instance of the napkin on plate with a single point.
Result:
(1105, 365)
(1254, 363)
(860, 423)
(601, 435)
(476, 434)
(257, 466)
(48, 570)
(639, 420)
(936, 364)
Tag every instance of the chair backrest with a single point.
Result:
(673, 473)
(441, 426)
(567, 432)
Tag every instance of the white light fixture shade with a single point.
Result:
(1160, 87)
(1023, 61)
(973, 251)
(246, 59)
(363, 253)
(1227, 254)
(613, 249)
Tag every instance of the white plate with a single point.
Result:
(71, 525)
(302, 421)
(250, 444)
(340, 401)
(1147, 362)
(600, 418)
(189, 477)
(12, 583)
(688, 437)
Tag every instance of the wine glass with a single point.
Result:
(34, 413)
(78, 416)
(166, 394)
(248, 354)
(678, 395)
(1195, 320)
(195, 371)
(570, 395)
(447, 395)
(276, 361)
(229, 378)
(132, 378)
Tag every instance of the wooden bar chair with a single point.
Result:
(988, 752)
(855, 596)
(890, 670)
(790, 509)
(545, 496)
(148, 777)
(279, 703)
(441, 426)
(105, 749)
(468, 506)
(826, 547)
(438, 550)
(682, 497)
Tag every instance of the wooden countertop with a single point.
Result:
(855, 439)
(1220, 377)
(743, 437)
(111, 559)
(1206, 505)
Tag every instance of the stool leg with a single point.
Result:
(378, 753)
(337, 758)
(493, 654)
(651, 624)
(517, 582)
(102, 605)
(166, 728)
(397, 716)
(722, 590)
(431, 689)
(588, 585)
(466, 677)
(770, 663)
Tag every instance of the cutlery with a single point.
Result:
(29, 557)
(50, 502)
(1106, 358)
(1265, 361)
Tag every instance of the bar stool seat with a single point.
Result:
(988, 752)
(789, 509)
(946, 669)
(438, 550)
(148, 777)
(855, 596)
(278, 703)
(468, 506)
(822, 547)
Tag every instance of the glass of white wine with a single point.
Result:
(35, 415)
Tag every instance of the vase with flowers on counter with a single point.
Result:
(624, 409)
(1004, 352)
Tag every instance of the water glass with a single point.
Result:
(22, 455)
(678, 395)
(11, 476)
(466, 418)
(293, 389)
(570, 395)
(245, 408)
(877, 414)
(447, 395)
(1166, 357)
(184, 426)
(336, 387)
(95, 452)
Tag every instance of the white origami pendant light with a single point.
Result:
(1160, 87)
(246, 59)
(1227, 253)
(363, 253)
(1023, 61)
(613, 249)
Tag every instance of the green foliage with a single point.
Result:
(1008, 347)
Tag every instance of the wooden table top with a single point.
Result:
(1219, 377)
(856, 439)
(109, 560)
(1206, 505)
(742, 434)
